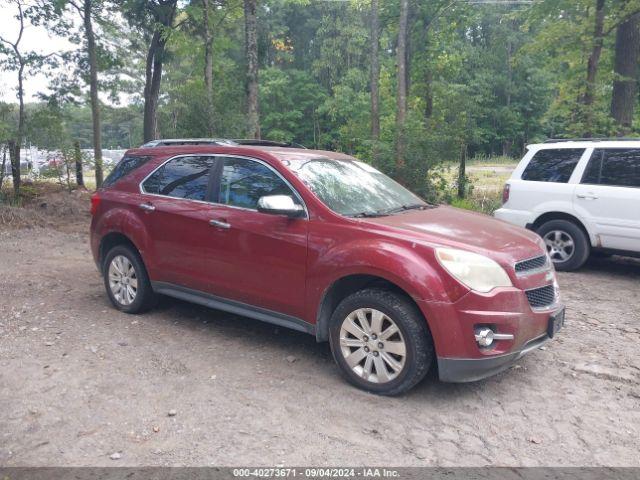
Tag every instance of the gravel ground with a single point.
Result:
(82, 384)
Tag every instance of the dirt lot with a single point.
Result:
(80, 382)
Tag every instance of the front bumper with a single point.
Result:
(504, 310)
(471, 369)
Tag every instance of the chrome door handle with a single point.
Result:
(147, 207)
(219, 224)
(587, 196)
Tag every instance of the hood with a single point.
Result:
(456, 228)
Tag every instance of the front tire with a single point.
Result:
(380, 341)
(567, 244)
(126, 280)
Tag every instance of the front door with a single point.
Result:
(256, 258)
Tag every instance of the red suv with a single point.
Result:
(323, 243)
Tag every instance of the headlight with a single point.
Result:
(477, 272)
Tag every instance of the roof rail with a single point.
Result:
(598, 139)
(166, 142)
(266, 143)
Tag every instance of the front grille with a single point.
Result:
(541, 297)
(531, 264)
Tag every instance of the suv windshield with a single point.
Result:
(353, 188)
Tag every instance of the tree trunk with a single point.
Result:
(251, 47)
(592, 67)
(508, 142)
(429, 21)
(208, 68)
(375, 76)
(16, 144)
(625, 83)
(153, 78)
(408, 49)
(401, 99)
(93, 89)
(462, 172)
(15, 166)
(77, 154)
(163, 14)
(15, 163)
(4, 166)
(428, 94)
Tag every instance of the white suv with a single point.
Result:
(579, 196)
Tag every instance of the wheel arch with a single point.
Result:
(110, 240)
(347, 285)
(548, 216)
(125, 226)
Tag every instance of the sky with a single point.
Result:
(34, 39)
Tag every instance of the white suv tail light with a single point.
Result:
(505, 193)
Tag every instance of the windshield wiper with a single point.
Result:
(367, 214)
(404, 208)
(391, 211)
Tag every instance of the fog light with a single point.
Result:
(484, 336)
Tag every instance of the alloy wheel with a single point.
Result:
(123, 280)
(560, 245)
(372, 345)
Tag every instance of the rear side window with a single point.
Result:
(615, 167)
(552, 165)
(183, 177)
(244, 181)
(124, 168)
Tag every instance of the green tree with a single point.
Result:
(15, 58)
(290, 101)
(155, 21)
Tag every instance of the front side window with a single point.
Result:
(552, 165)
(244, 181)
(615, 167)
(354, 188)
(183, 177)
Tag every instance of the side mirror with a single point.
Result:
(280, 205)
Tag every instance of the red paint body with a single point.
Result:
(287, 265)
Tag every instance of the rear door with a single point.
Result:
(608, 196)
(176, 200)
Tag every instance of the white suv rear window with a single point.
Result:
(552, 165)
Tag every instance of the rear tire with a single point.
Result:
(380, 341)
(126, 280)
(567, 244)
